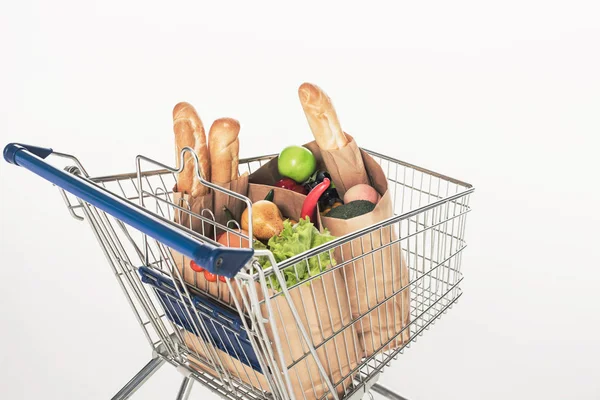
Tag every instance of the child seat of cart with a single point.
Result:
(224, 327)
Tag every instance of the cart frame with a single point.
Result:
(430, 214)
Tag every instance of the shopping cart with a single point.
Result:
(235, 344)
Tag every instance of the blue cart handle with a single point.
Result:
(223, 261)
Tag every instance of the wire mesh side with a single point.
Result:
(417, 256)
(195, 346)
(410, 272)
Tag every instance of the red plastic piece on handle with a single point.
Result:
(195, 267)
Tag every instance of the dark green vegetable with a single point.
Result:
(231, 222)
(271, 195)
(351, 210)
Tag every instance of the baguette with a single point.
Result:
(189, 131)
(224, 146)
(322, 117)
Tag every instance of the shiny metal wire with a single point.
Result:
(427, 229)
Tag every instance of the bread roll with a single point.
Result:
(224, 147)
(189, 131)
(322, 117)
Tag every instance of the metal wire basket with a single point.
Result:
(234, 336)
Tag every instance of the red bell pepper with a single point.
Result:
(309, 207)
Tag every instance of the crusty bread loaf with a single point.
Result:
(322, 117)
(189, 131)
(224, 147)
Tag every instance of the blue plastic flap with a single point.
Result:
(224, 326)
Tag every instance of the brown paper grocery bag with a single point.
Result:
(234, 205)
(323, 307)
(379, 271)
(218, 290)
(213, 202)
(233, 366)
(373, 278)
(338, 356)
(345, 165)
(348, 167)
(288, 202)
(267, 174)
(196, 205)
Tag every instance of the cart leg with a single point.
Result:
(139, 379)
(185, 389)
(387, 393)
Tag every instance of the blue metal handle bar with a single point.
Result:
(223, 261)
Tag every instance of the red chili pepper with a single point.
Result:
(195, 266)
(222, 278)
(290, 184)
(209, 276)
(309, 207)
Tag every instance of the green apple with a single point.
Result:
(296, 162)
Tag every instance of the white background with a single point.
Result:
(504, 95)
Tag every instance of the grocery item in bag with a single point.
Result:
(348, 169)
(377, 280)
(189, 132)
(188, 192)
(323, 308)
(218, 161)
(323, 305)
(224, 145)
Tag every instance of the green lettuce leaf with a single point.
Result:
(294, 240)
